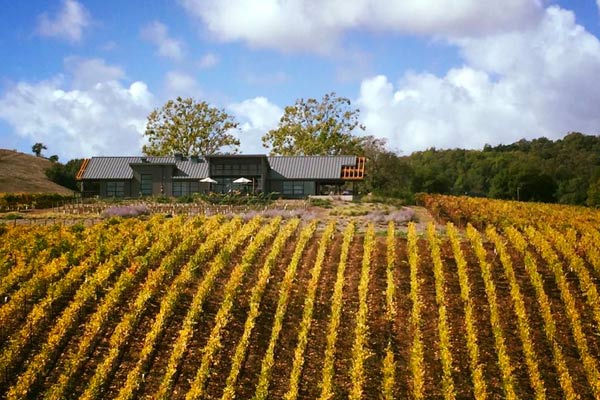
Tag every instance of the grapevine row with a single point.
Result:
(359, 353)
(589, 363)
(537, 281)
(479, 386)
(389, 365)
(522, 321)
(255, 300)
(586, 283)
(443, 328)
(195, 310)
(336, 314)
(306, 322)
(41, 362)
(416, 364)
(490, 291)
(262, 388)
(223, 316)
(213, 239)
(16, 346)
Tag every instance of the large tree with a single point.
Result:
(37, 149)
(189, 127)
(312, 127)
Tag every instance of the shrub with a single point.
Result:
(125, 211)
(325, 203)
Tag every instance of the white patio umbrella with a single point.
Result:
(208, 180)
(243, 181)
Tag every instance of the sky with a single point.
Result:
(81, 76)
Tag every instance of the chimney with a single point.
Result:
(178, 156)
(195, 159)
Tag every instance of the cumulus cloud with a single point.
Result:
(157, 33)
(87, 72)
(68, 23)
(179, 84)
(107, 117)
(208, 60)
(256, 116)
(540, 81)
(316, 25)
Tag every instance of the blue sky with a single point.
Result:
(81, 76)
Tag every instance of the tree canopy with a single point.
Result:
(37, 149)
(312, 127)
(189, 127)
(565, 171)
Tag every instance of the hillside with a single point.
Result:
(22, 173)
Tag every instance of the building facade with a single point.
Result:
(288, 177)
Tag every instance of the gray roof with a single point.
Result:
(282, 167)
(119, 167)
(309, 167)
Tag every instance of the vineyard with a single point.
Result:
(497, 300)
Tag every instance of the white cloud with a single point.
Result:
(266, 78)
(316, 25)
(87, 72)
(538, 82)
(68, 23)
(179, 84)
(208, 60)
(104, 118)
(256, 116)
(157, 33)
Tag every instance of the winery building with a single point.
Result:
(286, 176)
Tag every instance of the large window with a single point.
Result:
(115, 189)
(146, 184)
(293, 188)
(181, 188)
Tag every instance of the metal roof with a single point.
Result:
(282, 167)
(120, 167)
(309, 167)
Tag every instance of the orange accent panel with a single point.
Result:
(81, 171)
(354, 172)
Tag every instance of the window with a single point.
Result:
(295, 188)
(194, 187)
(181, 188)
(115, 189)
(146, 184)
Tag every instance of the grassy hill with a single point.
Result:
(22, 173)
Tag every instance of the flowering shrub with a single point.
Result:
(125, 211)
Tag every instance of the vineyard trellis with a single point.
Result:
(148, 307)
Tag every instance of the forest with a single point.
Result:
(563, 171)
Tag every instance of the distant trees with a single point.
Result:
(65, 174)
(563, 171)
(37, 149)
(189, 127)
(313, 127)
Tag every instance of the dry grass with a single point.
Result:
(22, 173)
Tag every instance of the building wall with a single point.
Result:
(293, 189)
(127, 185)
(162, 183)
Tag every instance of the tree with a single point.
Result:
(316, 128)
(593, 194)
(37, 149)
(65, 174)
(189, 127)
